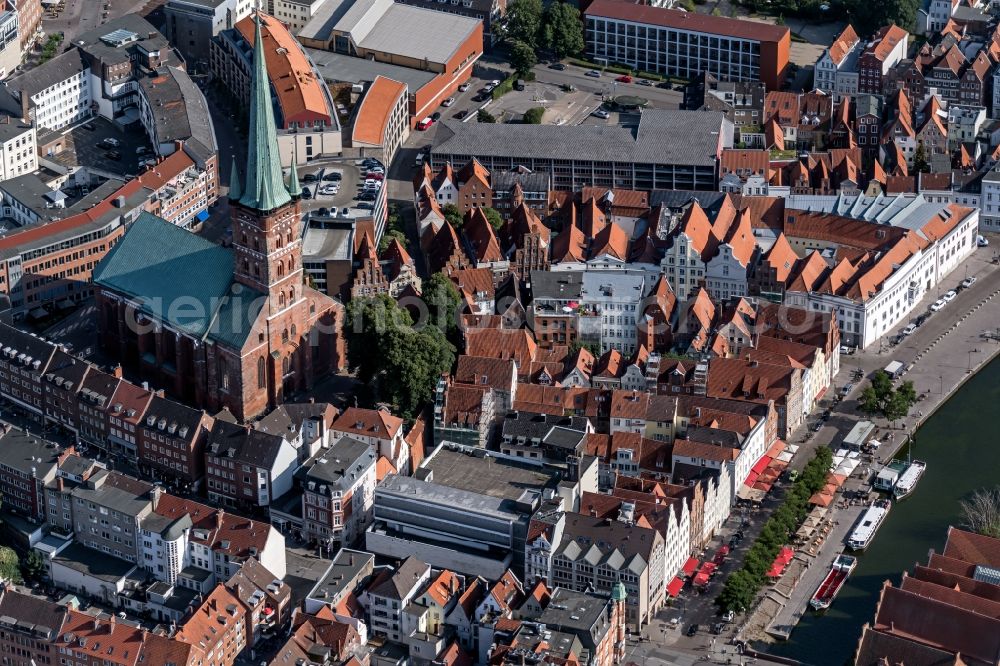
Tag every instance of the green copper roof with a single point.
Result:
(181, 279)
(293, 181)
(618, 591)
(265, 188)
(235, 192)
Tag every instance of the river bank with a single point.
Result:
(942, 358)
(955, 442)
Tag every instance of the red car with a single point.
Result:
(624, 78)
(375, 176)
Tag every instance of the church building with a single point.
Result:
(224, 327)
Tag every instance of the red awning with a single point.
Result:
(819, 393)
(700, 580)
(761, 464)
(674, 588)
(690, 566)
(751, 478)
(786, 554)
(775, 449)
(761, 485)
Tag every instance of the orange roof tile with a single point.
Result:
(299, 91)
(843, 44)
(611, 240)
(375, 112)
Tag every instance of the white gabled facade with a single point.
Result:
(65, 102)
(18, 150)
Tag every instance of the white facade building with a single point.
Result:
(17, 148)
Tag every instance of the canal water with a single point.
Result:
(962, 449)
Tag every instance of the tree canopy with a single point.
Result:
(494, 218)
(523, 22)
(396, 362)
(453, 215)
(522, 57)
(562, 30)
(484, 116)
(880, 398)
(10, 566)
(533, 116)
(741, 587)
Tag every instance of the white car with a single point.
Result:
(981, 242)
(448, 102)
(938, 304)
(464, 87)
(910, 328)
(376, 169)
(495, 82)
(600, 113)
(968, 282)
(950, 296)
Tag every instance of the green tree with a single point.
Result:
(593, 347)
(562, 31)
(443, 302)
(10, 566)
(397, 363)
(920, 163)
(881, 399)
(533, 116)
(33, 566)
(389, 236)
(522, 57)
(523, 22)
(453, 215)
(494, 218)
(484, 116)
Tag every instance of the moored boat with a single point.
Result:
(872, 519)
(908, 481)
(835, 579)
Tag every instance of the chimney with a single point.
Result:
(117, 372)
(312, 400)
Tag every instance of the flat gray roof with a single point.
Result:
(337, 67)
(440, 34)
(93, 563)
(690, 138)
(387, 26)
(343, 571)
(438, 493)
(490, 476)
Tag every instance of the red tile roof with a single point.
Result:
(372, 118)
(843, 44)
(376, 423)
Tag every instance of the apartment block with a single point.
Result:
(686, 44)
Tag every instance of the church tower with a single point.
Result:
(266, 216)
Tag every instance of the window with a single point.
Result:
(261, 373)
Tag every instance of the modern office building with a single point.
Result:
(191, 24)
(686, 44)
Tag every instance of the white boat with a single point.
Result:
(868, 525)
(908, 482)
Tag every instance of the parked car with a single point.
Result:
(90, 127)
(981, 241)
(846, 390)
(330, 190)
(114, 155)
(481, 97)
(624, 78)
(692, 630)
(464, 87)
(332, 176)
(345, 210)
(461, 114)
(436, 116)
(600, 113)
(448, 102)
(495, 82)
(366, 205)
(910, 328)
(418, 161)
(306, 193)
(968, 282)
(644, 82)
(376, 176)
(310, 178)
(425, 123)
(141, 150)
(558, 66)
(593, 74)
(488, 88)
(950, 296)
(111, 141)
(818, 426)
(367, 196)
(938, 304)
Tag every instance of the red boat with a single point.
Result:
(835, 579)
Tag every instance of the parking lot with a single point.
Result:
(82, 146)
(343, 175)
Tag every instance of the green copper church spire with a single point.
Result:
(265, 188)
(293, 181)
(235, 192)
